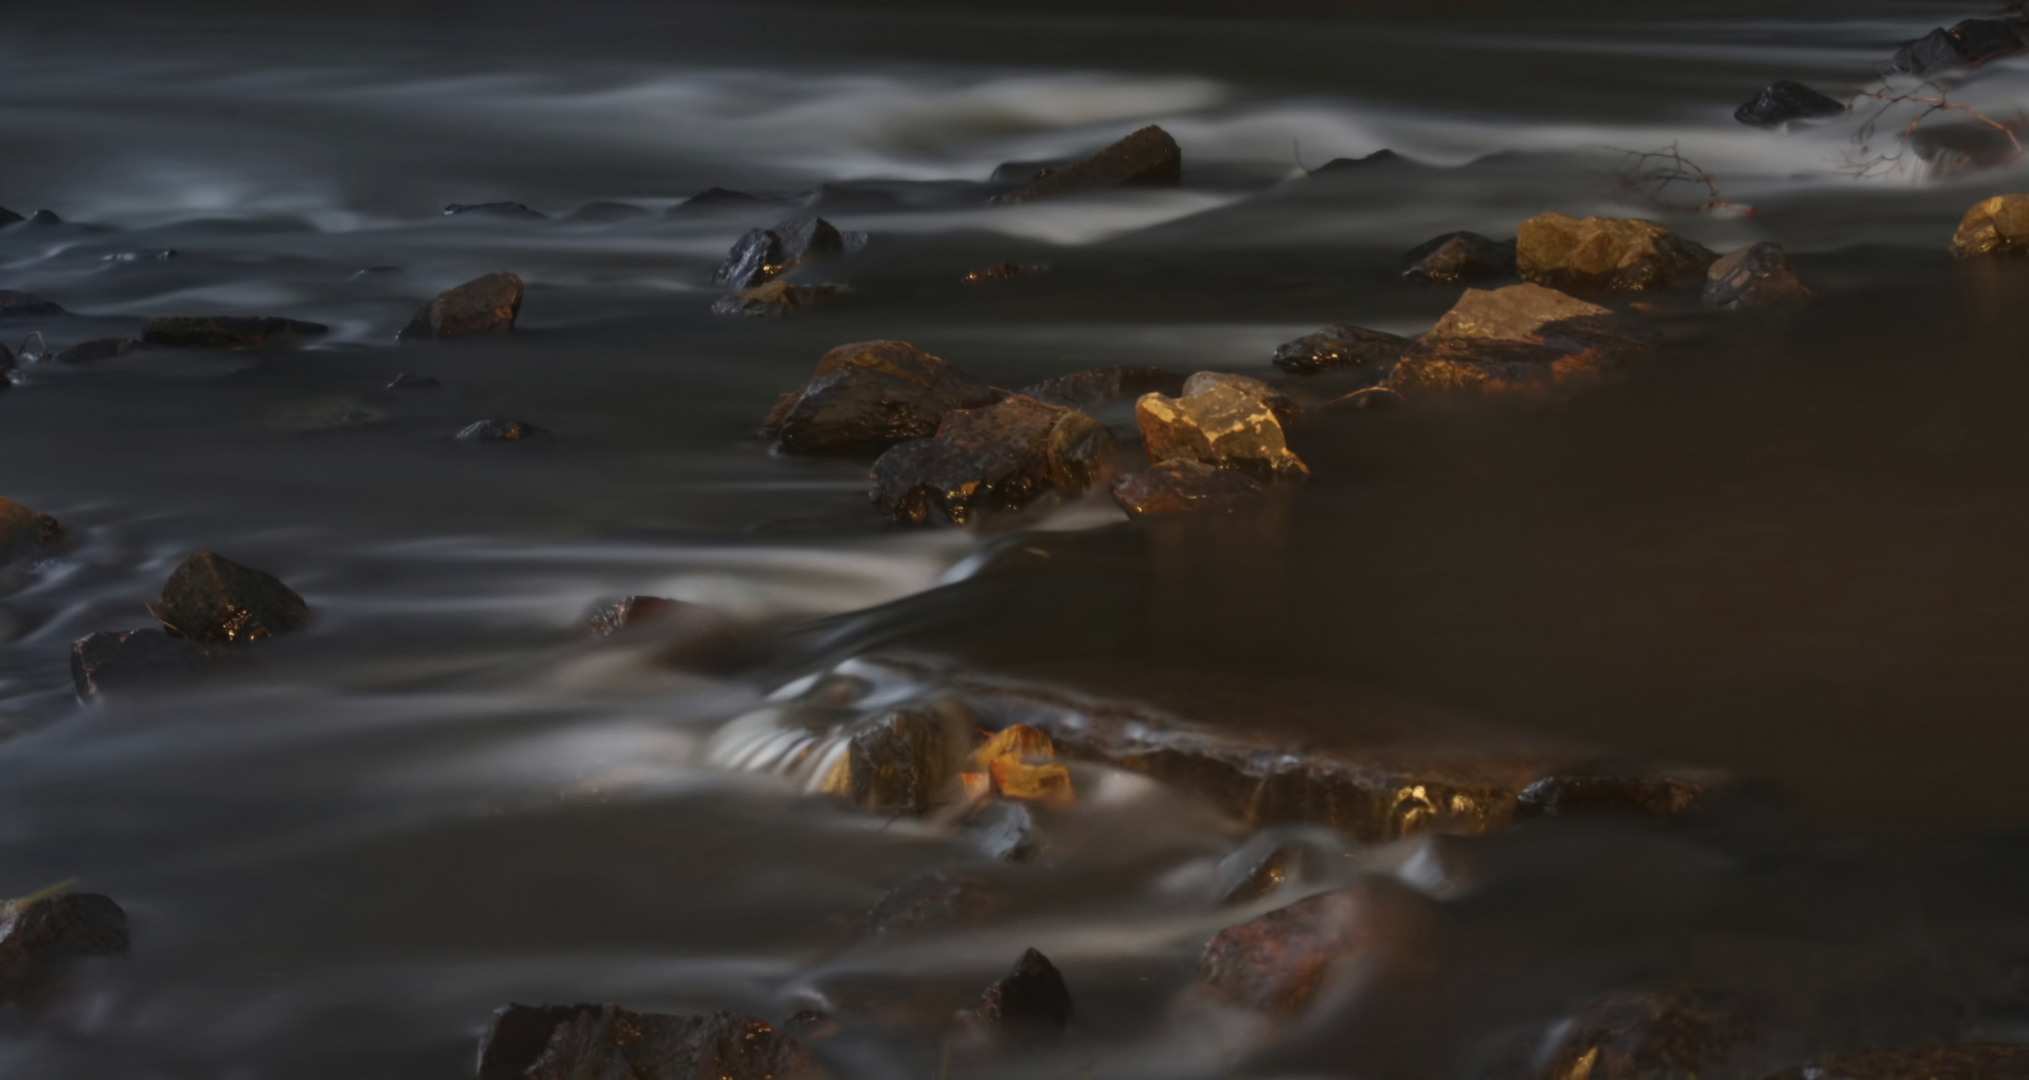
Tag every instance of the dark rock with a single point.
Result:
(25, 533)
(632, 612)
(1755, 276)
(1523, 338)
(518, 1034)
(1458, 256)
(933, 900)
(867, 397)
(1255, 871)
(1095, 387)
(606, 213)
(1632, 791)
(495, 209)
(1149, 157)
(42, 937)
(1785, 100)
(683, 632)
(1981, 40)
(499, 431)
(614, 1044)
(1223, 423)
(806, 238)
(1957, 148)
(406, 381)
(1004, 272)
(1005, 830)
(225, 331)
(810, 1025)
(484, 305)
(1345, 164)
(855, 241)
(1643, 1033)
(1023, 172)
(1970, 1061)
(719, 198)
(1609, 254)
(1935, 51)
(1341, 346)
(999, 457)
(117, 660)
(91, 352)
(1184, 487)
(1997, 226)
(9, 217)
(1029, 1004)
(776, 298)
(14, 304)
(906, 761)
(755, 259)
(44, 217)
(1282, 962)
(863, 199)
(213, 600)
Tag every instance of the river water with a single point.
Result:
(1791, 548)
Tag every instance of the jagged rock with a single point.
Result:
(999, 457)
(497, 430)
(225, 331)
(117, 660)
(586, 1042)
(606, 213)
(213, 600)
(906, 761)
(25, 533)
(806, 237)
(1640, 1034)
(869, 396)
(1969, 44)
(14, 304)
(1458, 256)
(495, 209)
(774, 299)
(1224, 424)
(1280, 963)
(1640, 792)
(1755, 276)
(484, 305)
(1149, 157)
(1785, 100)
(1096, 387)
(9, 217)
(1972, 1061)
(517, 1035)
(1520, 338)
(42, 937)
(1610, 254)
(1341, 346)
(1027, 1005)
(406, 381)
(95, 350)
(762, 255)
(1997, 226)
(930, 901)
(1184, 487)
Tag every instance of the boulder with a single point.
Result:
(1969, 44)
(17, 304)
(1521, 338)
(1607, 254)
(225, 331)
(999, 457)
(43, 936)
(1785, 100)
(517, 1035)
(1458, 256)
(776, 298)
(762, 255)
(498, 430)
(212, 600)
(95, 350)
(1281, 963)
(1996, 226)
(406, 381)
(1096, 387)
(1756, 276)
(1027, 1005)
(1285, 410)
(869, 396)
(1641, 1033)
(1973, 1061)
(905, 761)
(587, 1042)
(931, 901)
(25, 533)
(1223, 423)
(495, 209)
(1184, 487)
(1340, 347)
(484, 305)
(118, 660)
(1149, 157)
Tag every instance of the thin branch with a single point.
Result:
(1656, 174)
(1930, 98)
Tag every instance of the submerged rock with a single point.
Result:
(1458, 256)
(495, 209)
(1003, 272)
(1609, 254)
(930, 901)
(1344, 164)
(774, 299)
(1955, 148)
(869, 396)
(1149, 157)
(1185, 487)
(1785, 100)
(484, 305)
(42, 937)
(1257, 871)
(1972, 1061)
(1281, 963)
(606, 213)
(630, 613)
(225, 331)
(1225, 424)
(1996, 226)
(905, 762)
(999, 457)
(1005, 830)
(719, 198)
(213, 600)
(26, 533)
(1339, 347)
(1642, 1033)
(1756, 276)
(15, 304)
(1027, 1005)
(1520, 338)
(585, 1042)
(95, 350)
(118, 660)
(1096, 387)
(497, 430)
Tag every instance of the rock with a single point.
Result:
(1280, 963)
(1638, 792)
(118, 660)
(406, 381)
(776, 298)
(933, 900)
(762, 255)
(1220, 422)
(869, 396)
(44, 217)
(1458, 256)
(1756, 276)
(1981, 40)
(606, 213)
(1344, 164)
(484, 305)
(1997, 226)
(499, 431)
(43, 936)
(225, 331)
(1095, 387)
(1643, 1033)
(1004, 830)
(1149, 157)
(1609, 254)
(610, 1043)
(719, 198)
(1255, 871)
(1521, 338)
(683, 632)
(211, 599)
(1341, 346)
(16, 304)
(91, 352)
(518, 1034)
(495, 209)
(999, 457)
(9, 217)
(632, 612)
(1003, 272)
(1955, 148)
(806, 238)
(1972, 1061)
(1184, 487)
(1028, 1005)
(1969, 44)
(906, 761)
(25, 533)
(1785, 100)
(1935, 51)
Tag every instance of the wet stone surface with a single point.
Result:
(1001, 457)
(112, 661)
(1029, 1004)
(1456, 257)
(1756, 276)
(484, 305)
(1223, 423)
(1149, 157)
(91, 352)
(608, 1041)
(1185, 487)
(15, 304)
(773, 300)
(1642, 1033)
(867, 397)
(1283, 962)
(1605, 254)
(1997, 226)
(41, 939)
(26, 533)
(213, 600)
(1340, 347)
(226, 331)
(1785, 100)
(1523, 338)
(1096, 387)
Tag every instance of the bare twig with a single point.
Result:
(1656, 174)
(1928, 98)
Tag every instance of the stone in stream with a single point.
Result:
(775, 299)
(1095, 387)
(762, 255)
(1635, 791)
(1378, 157)
(906, 761)
(1222, 422)
(484, 305)
(1256, 871)
(1785, 100)
(1605, 254)
(1956, 148)
(1339, 347)
(406, 381)
(718, 198)
(44, 217)
(584, 1042)
(682, 632)
(1028, 1005)
(1148, 157)
(512, 210)
(498, 430)
(869, 396)
(43, 937)
(517, 1035)
(1970, 43)
(1756, 276)
(225, 331)
(1282, 962)
(1523, 338)
(930, 901)
(1996, 226)
(26, 533)
(1006, 271)
(1184, 486)
(1951, 1061)
(1635, 1034)
(1458, 256)
(211, 599)
(1005, 830)
(999, 457)
(9, 217)
(95, 350)
(125, 659)
(17, 304)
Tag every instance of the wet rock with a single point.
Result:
(42, 937)
(906, 761)
(213, 600)
(1969, 44)
(1224, 424)
(1972, 1061)
(810, 1026)
(26, 533)
(1997, 226)
(117, 660)
(805, 238)
(499, 431)
(1344, 164)
(1935, 51)
(869, 396)
(1281, 963)
(518, 1034)
(1639, 1034)
(1458, 256)
(933, 900)
(1095, 387)
(1785, 100)
(91, 352)
(762, 255)
(631, 612)
(1149, 157)
(1339, 347)
(484, 305)
(44, 217)
(1005, 830)
(606, 213)
(406, 381)
(1184, 487)
(495, 209)
(1634, 791)
(1285, 410)
(775, 299)
(9, 217)
(719, 198)
(610, 1043)
(999, 457)
(1257, 870)
(1756, 276)
(1028, 1005)
(1004, 272)
(16, 304)
(225, 331)
(1608, 254)
(1523, 338)
(682, 632)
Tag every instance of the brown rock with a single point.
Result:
(1458, 256)
(1997, 226)
(1966, 1061)
(1149, 157)
(1341, 347)
(25, 533)
(1000, 457)
(1029, 1004)
(1281, 963)
(43, 936)
(1645, 1033)
(775, 299)
(869, 396)
(1184, 487)
(211, 599)
(225, 331)
(484, 305)
(906, 761)
(1095, 387)
(1756, 276)
(518, 1034)
(1230, 422)
(1640, 792)
(611, 1043)
(1521, 338)
(1611, 254)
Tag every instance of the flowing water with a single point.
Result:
(1791, 548)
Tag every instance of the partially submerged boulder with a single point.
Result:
(999, 457)
(1281, 963)
(1029, 1004)
(43, 936)
(26, 533)
(1185, 487)
(1996, 226)
(1458, 256)
(1756, 276)
(1096, 387)
(20, 304)
(1970, 43)
(1606, 254)
(1149, 157)
(1523, 338)
(906, 761)
(95, 350)
(1785, 100)
(498, 430)
(585, 1042)
(1222, 423)
(773, 300)
(1340, 347)
(226, 331)
(869, 396)
(681, 632)
(760, 256)
(111, 661)
(212, 600)
(484, 305)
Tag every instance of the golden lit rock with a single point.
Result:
(1997, 226)
(1610, 254)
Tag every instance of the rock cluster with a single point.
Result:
(484, 305)
(1605, 254)
(1148, 157)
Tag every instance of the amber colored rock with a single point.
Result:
(1028, 1004)
(42, 937)
(933, 900)
(1149, 157)
(1341, 347)
(1000, 457)
(25, 533)
(1997, 226)
(1096, 387)
(1049, 785)
(225, 331)
(1639, 1034)
(1222, 422)
(211, 599)
(1606, 254)
(1458, 256)
(1282, 962)
(116, 660)
(1019, 741)
(869, 396)
(906, 761)
(610, 1043)
(484, 305)
(1184, 487)
(1963, 1061)
(773, 300)
(1756, 276)
(1522, 338)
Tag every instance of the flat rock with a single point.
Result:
(1637, 1034)
(1225, 425)
(1996, 226)
(775, 299)
(495, 209)
(41, 938)
(26, 533)
(610, 1043)
(1964, 1061)
(999, 457)
(1281, 963)
(1027, 1005)
(1756, 276)
(1458, 256)
(95, 350)
(1606, 254)
(906, 761)
(1785, 100)
(111, 661)
(869, 396)
(1096, 387)
(1341, 347)
(18, 304)
(497, 430)
(1523, 338)
(484, 305)
(211, 599)
(225, 331)
(1185, 487)
(1149, 157)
